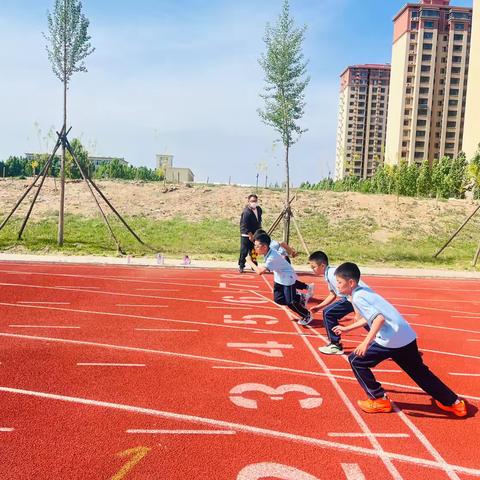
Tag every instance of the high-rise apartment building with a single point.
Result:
(428, 86)
(471, 136)
(362, 119)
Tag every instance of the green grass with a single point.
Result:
(219, 240)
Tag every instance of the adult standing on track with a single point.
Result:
(250, 222)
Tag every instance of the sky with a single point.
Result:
(182, 77)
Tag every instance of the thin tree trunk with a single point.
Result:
(62, 162)
(286, 224)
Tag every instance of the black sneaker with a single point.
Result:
(241, 269)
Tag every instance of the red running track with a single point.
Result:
(155, 373)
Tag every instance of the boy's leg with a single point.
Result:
(408, 359)
(301, 285)
(278, 294)
(332, 314)
(361, 367)
(293, 302)
(245, 247)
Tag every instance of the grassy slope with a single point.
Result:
(218, 239)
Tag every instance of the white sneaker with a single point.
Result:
(310, 289)
(332, 349)
(305, 320)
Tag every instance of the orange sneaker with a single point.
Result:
(377, 405)
(459, 409)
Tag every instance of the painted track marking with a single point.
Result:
(348, 404)
(46, 303)
(242, 428)
(183, 432)
(379, 435)
(352, 471)
(92, 364)
(165, 330)
(420, 436)
(123, 294)
(43, 326)
(214, 359)
(138, 305)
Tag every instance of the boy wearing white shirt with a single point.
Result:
(284, 276)
(390, 336)
(335, 306)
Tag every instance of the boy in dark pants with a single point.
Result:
(335, 306)
(390, 336)
(284, 291)
(287, 251)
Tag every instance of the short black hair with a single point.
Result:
(252, 195)
(348, 271)
(263, 238)
(259, 232)
(318, 257)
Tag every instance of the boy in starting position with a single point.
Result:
(390, 336)
(284, 291)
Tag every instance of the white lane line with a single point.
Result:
(352, 471)
(245, 368)
(157, 289)
(445, 328)
(129, 315)
(374, 369)
(43, 326)
(233, 308)
(79, 287)
(439, 352)
(166, 330)
(379, 435)
(473, 339)
(123, 294)
(436, 300)
(238, 427)
(416, 431)
(210, 359)
(465, 316)
(6, 429)
(465, 374)
(116, 278)
(410, 314)
(137, 305)
(396, 287)
(364, 427)
(91, 364)
(346, 401)
(183, 432)
(46, 303)
(397, 305)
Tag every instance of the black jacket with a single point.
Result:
(249, 222)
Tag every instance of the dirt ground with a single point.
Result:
(157, 201)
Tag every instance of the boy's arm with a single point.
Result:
(291, 251)
(327, 301)
(259, 270)
(376, 326)
(359, 322)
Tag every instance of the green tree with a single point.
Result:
(81, 154)
(285, 77)
(424, 180)
(15, 166)
(68, 47)
(474, 173)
